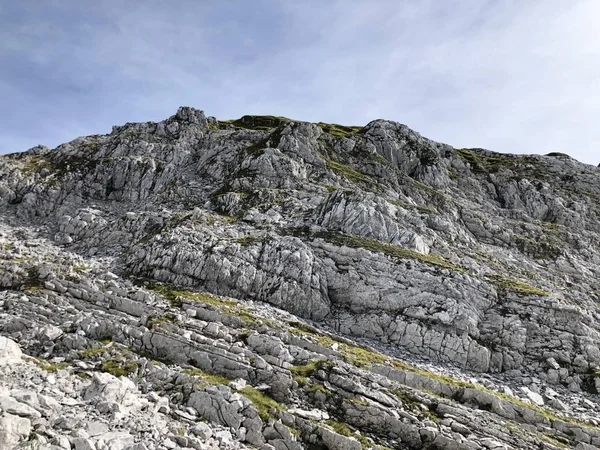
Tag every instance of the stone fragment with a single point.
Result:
(10, 351)
(13, 430)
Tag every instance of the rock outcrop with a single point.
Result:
(267, 283)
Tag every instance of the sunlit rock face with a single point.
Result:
(230, 271)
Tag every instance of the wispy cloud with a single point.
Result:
(507, 75)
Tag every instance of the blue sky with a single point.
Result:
(508, 75)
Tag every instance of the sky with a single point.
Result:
(511, 76)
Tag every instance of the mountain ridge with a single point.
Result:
(266, 122)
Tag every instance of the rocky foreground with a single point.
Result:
(273, 284)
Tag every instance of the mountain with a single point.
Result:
(275, 284)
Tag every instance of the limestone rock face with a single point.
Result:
(9, 351)
(13, 429)
(296, 285)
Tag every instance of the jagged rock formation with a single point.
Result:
(296, 285)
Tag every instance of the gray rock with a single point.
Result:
(83, 444)
(9, 351)
(334, 441)
(535, 398)
(214, 407)
(381, 280)
(96, 428)
(13, 430)
(12, 406)
(202, 430)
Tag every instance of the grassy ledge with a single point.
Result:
(362, 357)
(348, 172)
(266, 406)
(517, 286)
(338, 130)
(207, 377)
(395, 251)
(226, 306)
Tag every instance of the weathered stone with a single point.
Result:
(13, 430)
(9, 351)
(334, 441)
(214, 407)
(12, 406)
(478, 267)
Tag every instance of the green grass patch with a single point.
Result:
(330, 187)
(435, 195)
(344, 430)
(358, 401)
(539, 248)
(445, 379)
(415, 406)
(32, 289)
(34, 164)
(338, 130)
(422, 209)
(226, 306)
(317, 387)
(380, 159)
(266, 406)
(355, 355)
(305, 370)
(557, 441)
(119, 367)
(91, 353)
(348, 172)
(21, 259)
(207, 377)
(558, 155)
(246, 315)
(458, 383)
(301, 380)
(338, 427)
(482, 163)
(395, 251)
(517, 286)
(430, 415)
(174, 296)
(474, 159)
(245, 241)
(262, 123)
(60, 166)
(154, 320)
(51, 367)
(361, 357)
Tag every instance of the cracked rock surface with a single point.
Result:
(274, 284)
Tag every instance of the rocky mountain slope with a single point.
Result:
(274, 284)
